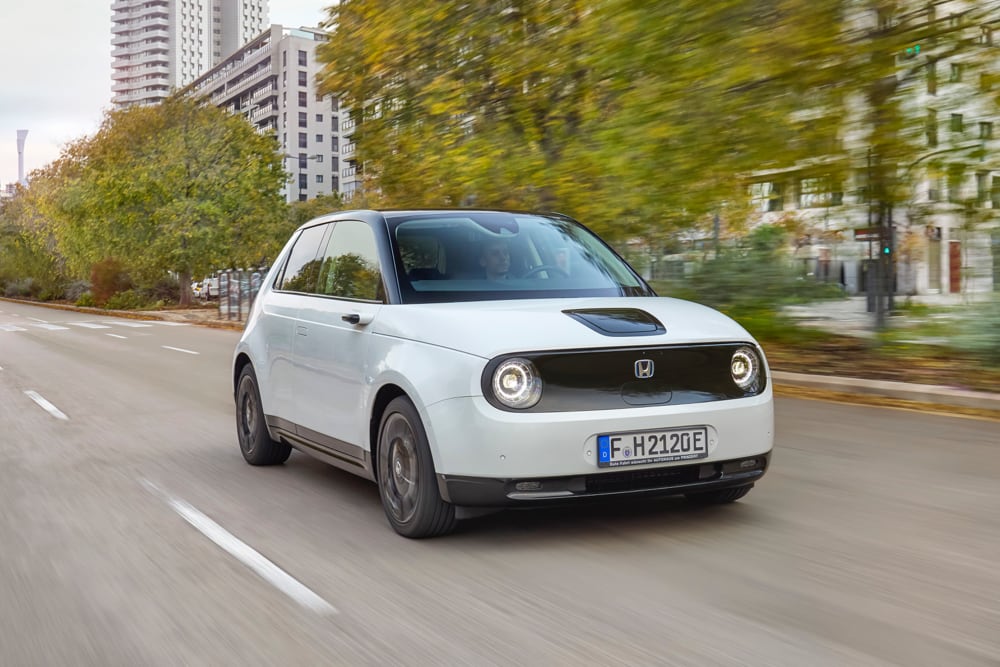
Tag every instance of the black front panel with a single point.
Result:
(647, 376)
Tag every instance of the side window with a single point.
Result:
(350, 267)
(303, 266)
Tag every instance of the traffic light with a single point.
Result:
(913, 51)
(886, 243)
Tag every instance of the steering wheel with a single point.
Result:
(545, 267)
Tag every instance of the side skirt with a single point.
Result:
(329, 450)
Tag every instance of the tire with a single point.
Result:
(719, 496)
(407, 481)
(255, 442)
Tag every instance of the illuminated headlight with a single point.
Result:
(516, 383)
(745, 367)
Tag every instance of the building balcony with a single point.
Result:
(347, 150)
(265, 92)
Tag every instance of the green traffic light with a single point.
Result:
(886, 250)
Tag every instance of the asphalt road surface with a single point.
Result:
(132, 533)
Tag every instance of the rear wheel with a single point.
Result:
(407, 480)
(255, 442)
(719, 496)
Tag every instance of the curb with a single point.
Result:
(903, 391)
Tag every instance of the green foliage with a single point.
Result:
(750, 279)
(23, 287)
(86, 300)
(128, 300)
(979, 332)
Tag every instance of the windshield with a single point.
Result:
(473, 256)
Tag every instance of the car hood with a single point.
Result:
(491, 328)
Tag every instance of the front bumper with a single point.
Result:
(663, 481)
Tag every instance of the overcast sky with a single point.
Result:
(55, 71)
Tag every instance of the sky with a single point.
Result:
(55, 72)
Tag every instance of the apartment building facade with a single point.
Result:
(161, 45)
(271, 80)
(946, 224)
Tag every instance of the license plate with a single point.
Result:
(675, 444)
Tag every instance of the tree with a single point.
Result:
(180, 187)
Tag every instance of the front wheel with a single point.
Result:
(406, 477)
(255, 442)
(719, 496)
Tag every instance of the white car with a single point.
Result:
(465, 358)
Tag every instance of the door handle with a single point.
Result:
(302, 331)
(357, 318)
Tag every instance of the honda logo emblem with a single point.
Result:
(644, 368)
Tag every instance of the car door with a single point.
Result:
(332, 341)
(280, 318)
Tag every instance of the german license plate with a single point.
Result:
(675, 444)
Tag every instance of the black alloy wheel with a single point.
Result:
(407, 480)
(255, 442)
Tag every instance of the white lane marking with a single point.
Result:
(38, 320)
(11, 327)
(50, 327)
(88, 325)
(117, 336)
(174, 324)
(179, 349)
(45, 405)
(243, 552)
(134, 325)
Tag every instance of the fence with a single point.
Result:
(237, 290)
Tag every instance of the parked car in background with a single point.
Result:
(465, 358)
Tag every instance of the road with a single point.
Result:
(872, 541)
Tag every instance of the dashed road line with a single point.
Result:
(117, 336)
(89, 325)
(45, 405)
(11, 327)
(179, 349)
(243, 552)
(134, 325)
(38, 320)
(51, 327)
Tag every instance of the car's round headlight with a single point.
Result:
(745, 367)
(516, 383)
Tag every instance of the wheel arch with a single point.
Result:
(385, 395)
(242, 361)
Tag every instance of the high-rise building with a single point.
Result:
(271, 80)
(160, 45)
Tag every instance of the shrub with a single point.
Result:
(76, 289)
(86, 300)
(979, 332)
(165, 289)
(127, 300)
(25, 287)
(108, 277)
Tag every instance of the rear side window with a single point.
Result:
(303, 264)
(350, 267)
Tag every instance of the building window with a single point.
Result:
(284, 58)
(303, 140)
(319, 178)
(932, 128)
(303, 119)
(318, 157)
(319, 138)
(335, 124)
(982, 187)
(766, 197)
(319, 118)
(956, 172)
(986, 130)
(303, 99)
(995, 192)
(986, 35)
(303, 181)
(932, 77)
(303, 160)
(334, 164)
(819, 191)
(956, 72)
(303, 79)
(957, 124)
(302, 58)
